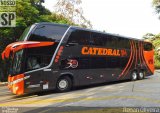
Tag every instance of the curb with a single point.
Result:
(3, 83)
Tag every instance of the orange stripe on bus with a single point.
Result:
(149, 60)
(136, 54)
(139, 49)
(142, 56)
(128, 61)
(16, 84)
(133, 57)
(14, 47)
(145, 59)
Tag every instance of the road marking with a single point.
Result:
(44, 111)
(54, 101)
(17, 98)
(145, 91)
(38, 100)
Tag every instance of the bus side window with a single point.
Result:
(111, 41)
(33, 63)
(79, 37)
(98, 39)
(123, 43)
(148, 46)
(38, 57)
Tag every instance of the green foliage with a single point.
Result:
(157, 61)
(156, 5)
(156, 39)
(56, 18)
(148, 36)
(156, 43)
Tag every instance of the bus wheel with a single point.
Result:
(64, 84)
(134, 76)
(141, 75)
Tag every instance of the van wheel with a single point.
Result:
(134, 76)
(141, 75)
(64, 84)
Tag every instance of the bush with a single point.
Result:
(157, 64)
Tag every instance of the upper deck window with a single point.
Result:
(48, 32)
(79, 37)
(98, 39)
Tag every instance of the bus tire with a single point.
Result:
(64, 84)
(134, 76)
(141, 75)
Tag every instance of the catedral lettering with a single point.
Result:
(100, 51)
(59, 57)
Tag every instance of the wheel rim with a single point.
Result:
(63, 84)
(134, 76)
(141, 75)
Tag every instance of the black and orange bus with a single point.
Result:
(52, 56)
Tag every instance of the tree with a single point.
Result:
(149, 36)
(72, 10)
(156, 2)
(156, 5)
(156, 39)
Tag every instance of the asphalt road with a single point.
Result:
(99, 98)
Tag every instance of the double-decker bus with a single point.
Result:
(52, 56)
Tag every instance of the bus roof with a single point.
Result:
(117, 35)
(76, 27)
(51, 23)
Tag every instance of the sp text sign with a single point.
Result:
(7, 19)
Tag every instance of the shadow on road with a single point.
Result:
(37, 94)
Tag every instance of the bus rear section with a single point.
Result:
(143, 56)
(148, 59)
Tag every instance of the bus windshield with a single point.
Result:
(48, 32)
(16, 65)
(32, 58)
